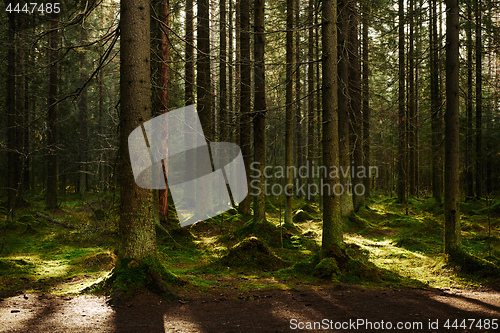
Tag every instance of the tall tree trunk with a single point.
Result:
(163, 77)
(355, 106)
(479, 102)
(245, 95)
(401, 161)
(51, 196)
(436, 113)
(289, 108)
(136, 226)
(13, 155)
(299, 143)
(332, 226)
(203, 70)
(311, 107)
(230, 89)
(223, 114)
(412, 101)
(259, 120)
(452, 241)
(189, 55)
(83, 106)
(366, 103)
(346, 201)
(469, 175)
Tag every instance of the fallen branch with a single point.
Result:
(51, 220)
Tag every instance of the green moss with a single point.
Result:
(254, 254)
(301, 216)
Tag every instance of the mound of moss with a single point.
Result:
(339, 264)
(252, 253)
(97, 261)
(301, 216)
(267, 232)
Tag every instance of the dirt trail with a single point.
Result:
(232, 310)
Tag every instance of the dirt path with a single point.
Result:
(254, 311)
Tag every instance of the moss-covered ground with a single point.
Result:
(384, 247)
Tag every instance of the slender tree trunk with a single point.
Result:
(83, 106)
(230, 89)
(163, 84)
(259, 120)
(436, 116)
(452, 239)
(366, 103)
(51, 196)
(479, 102)
(346, 201)
(469, 175)
(332, 226)
(13, 156)
(299, 143)
(401, 160)
(189, 55)
(412, 102)
(289, 108)
(136, 226)
(311, 107)
(203, 71)
(245, 96)
(223, 113)
(355, 106)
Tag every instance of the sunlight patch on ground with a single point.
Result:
(430, 270)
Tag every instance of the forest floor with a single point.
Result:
(52, 263)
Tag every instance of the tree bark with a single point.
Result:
(401, 160)
(479, 102)
(259, 120)
(311, 106)
(469, 174)
(346, 201)
(289, 116)
(332, 227)
(366, 103)
(223, 110)
(136, 226)
(436, 113)
(51, 196)
(245, 96)
(203, 80)
(355, 105)
(452, 239)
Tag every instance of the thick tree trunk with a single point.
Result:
(136, 226)
(51, 196)
(289, 117)
(332, 226)
(259, 120)
(452, 239)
